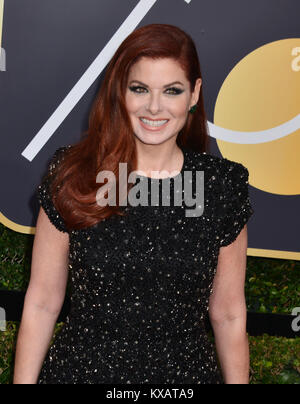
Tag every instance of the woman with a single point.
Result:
(143, 276)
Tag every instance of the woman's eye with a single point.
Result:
(135, 89)
(175, 90)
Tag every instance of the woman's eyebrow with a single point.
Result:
(167, 85)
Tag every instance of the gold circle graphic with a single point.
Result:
(260, 93)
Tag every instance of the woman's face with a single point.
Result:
(158, 99)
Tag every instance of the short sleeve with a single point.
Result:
(235, 203)
(43, 191)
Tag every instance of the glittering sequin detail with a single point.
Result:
(140, 286)
(43, 193)
(235, 203)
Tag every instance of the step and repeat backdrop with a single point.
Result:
(54, 53)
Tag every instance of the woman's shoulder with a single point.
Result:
(44, 194)
(220, 167)
(60, 152)
(55, 159)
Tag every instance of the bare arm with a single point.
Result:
(43, 301)
(228, 312)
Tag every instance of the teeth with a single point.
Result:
(154, 123)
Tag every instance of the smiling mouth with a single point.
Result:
(154, 123)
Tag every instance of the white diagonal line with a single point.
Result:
(88, 78)
(1, 19)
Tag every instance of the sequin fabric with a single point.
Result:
(141, 284)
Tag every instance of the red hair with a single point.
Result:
(109, 139)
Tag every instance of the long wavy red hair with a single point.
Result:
(109, 139)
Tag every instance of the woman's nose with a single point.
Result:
(154, 104)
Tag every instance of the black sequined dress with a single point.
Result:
(141, 283)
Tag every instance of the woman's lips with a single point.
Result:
(153, 128)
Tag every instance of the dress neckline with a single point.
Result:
(184, 151)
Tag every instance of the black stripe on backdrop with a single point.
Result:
(279, 325)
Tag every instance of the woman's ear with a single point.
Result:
(196, 92)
